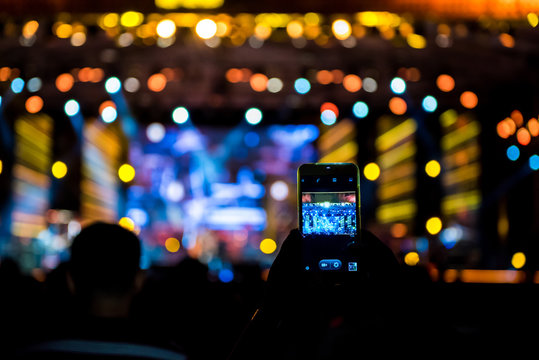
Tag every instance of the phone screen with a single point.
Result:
(329, 218)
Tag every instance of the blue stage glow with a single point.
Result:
(302, 86)
(251, 139)
(398, 85)
(113, 85)
(17, 85)
(71, 107)
(513, 153)
(328, 117)
(360, 109)
(534, 162)
(226, 275)
(429, 103)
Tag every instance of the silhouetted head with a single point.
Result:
(104, 260)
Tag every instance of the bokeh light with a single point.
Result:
(534, 162)
(503, 129)
(17, 85)
(59, 169)
(34, 84)
(109, 114)
(127, 223)
(258, 82)
(251, 139)
(468, 99)
(371, 171)
(126, 173)
(434, 225)
(429, 103)
(398, 230)
(352, 83)
(253, 116)
(523, 136)
(397, 106)
(34, 104)
(329, 106)
(279, 190)
(275, 85)
(302, 86)
(398, 85)
(268, 246)
(328, 117)
(206, 29)
(341, 29)
(172, 245)
(155, 132)
(71, 107)
(445, 83)
(131, 19)
(180, 115)
(64, 82)
(360, 109)
(513, 153)
(370, 85)
(113, 85)
(533, 126)
(131, 84)
(157, 82)
(294, 29)
(226, 275)
(166, 28)
(411, 258)
(433, 168)
(518, 260)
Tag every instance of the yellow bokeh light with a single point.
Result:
(311, 18)
(533, 19)
(262, 31)
(416, 41)
(172, 244)
(63, 31)
(59, 169)
(268, 246)
(1, 166)
(206, 29)
(166, 28)
(110, 20)
(433, 168)
(518, 260)
(294, 29)
(29, 29)
(411, 258)
(127, 223)
(371, 171)
(131, 19)
(341, 29)
(126, 173)
(434, 225)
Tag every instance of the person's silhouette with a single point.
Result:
(104, 276)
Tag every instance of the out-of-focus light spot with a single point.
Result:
(518, 260)
(113, 85)
(180, 115)
(71, 107)
(433, 168)
(302, 86)
(523, 136)
(17, 85)
(34, 104)
(131, 84)
(533, 19)
(429, 103)
(370, 85)
(434, 225)
(157, 82)
(126, 173)
(517, 117)
(253, 116)
(110, 20)
(398, 85)
(155, 132)
(329, 106)
(294, 29)
(139, 216)
(34, 84)
(507, 40)
(258, 82)
(513, 153)
(78, 38)
(341, 29)
(268, 246)
(262, 31)
(234, 75)
(360, 109)
(411, 258)
(533, 126)
(131, 19)
(175, 191)
(468, 99)
(1, 166)
(328, 117)
(398, 230)
(422, 244)
(226, 275)
(275, 85)
(416, 41)
(166, 28)
(279, 190)
(127, 223)
(445, 83)
(371, 171)
(59, 169)
(206, 28)
(352, 83)
(172, 245)
(397, 106)
(534, 162)
(29, 29)
(251, 139)
(450, 236)
(63, 31)
(503, 129)
(109, 114)
(64, 82)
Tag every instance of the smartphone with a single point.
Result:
(329, 215)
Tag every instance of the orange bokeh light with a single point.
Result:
(468, 99)
(511, 124)
(399, 230)
(397, 106)
(34, 104)
(517, 117)
(503, 129)
(64, 82)
(330, 106)
(324, 77)
(259, 82)
(445, 83)
(105, 104)
(523, 136)
(157, 82)
(533, 127)
(507, 40)
(234, 75)
(352, 83)
(338, 76)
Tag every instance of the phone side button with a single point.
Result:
(330, 264)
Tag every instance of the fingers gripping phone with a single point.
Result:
(329, 215)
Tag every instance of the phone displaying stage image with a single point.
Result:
(329, 213)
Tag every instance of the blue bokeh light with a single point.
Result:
(302, 86)
(17, 85)
(109, 114)
(251, 139)
(253, 116)
(328, 117)
(513, 153)
(113, 85)
(429, 103)
(534, 162)
(71, 107)
(226, 275)
(360, 109)
(398, 85)
(180, 115)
